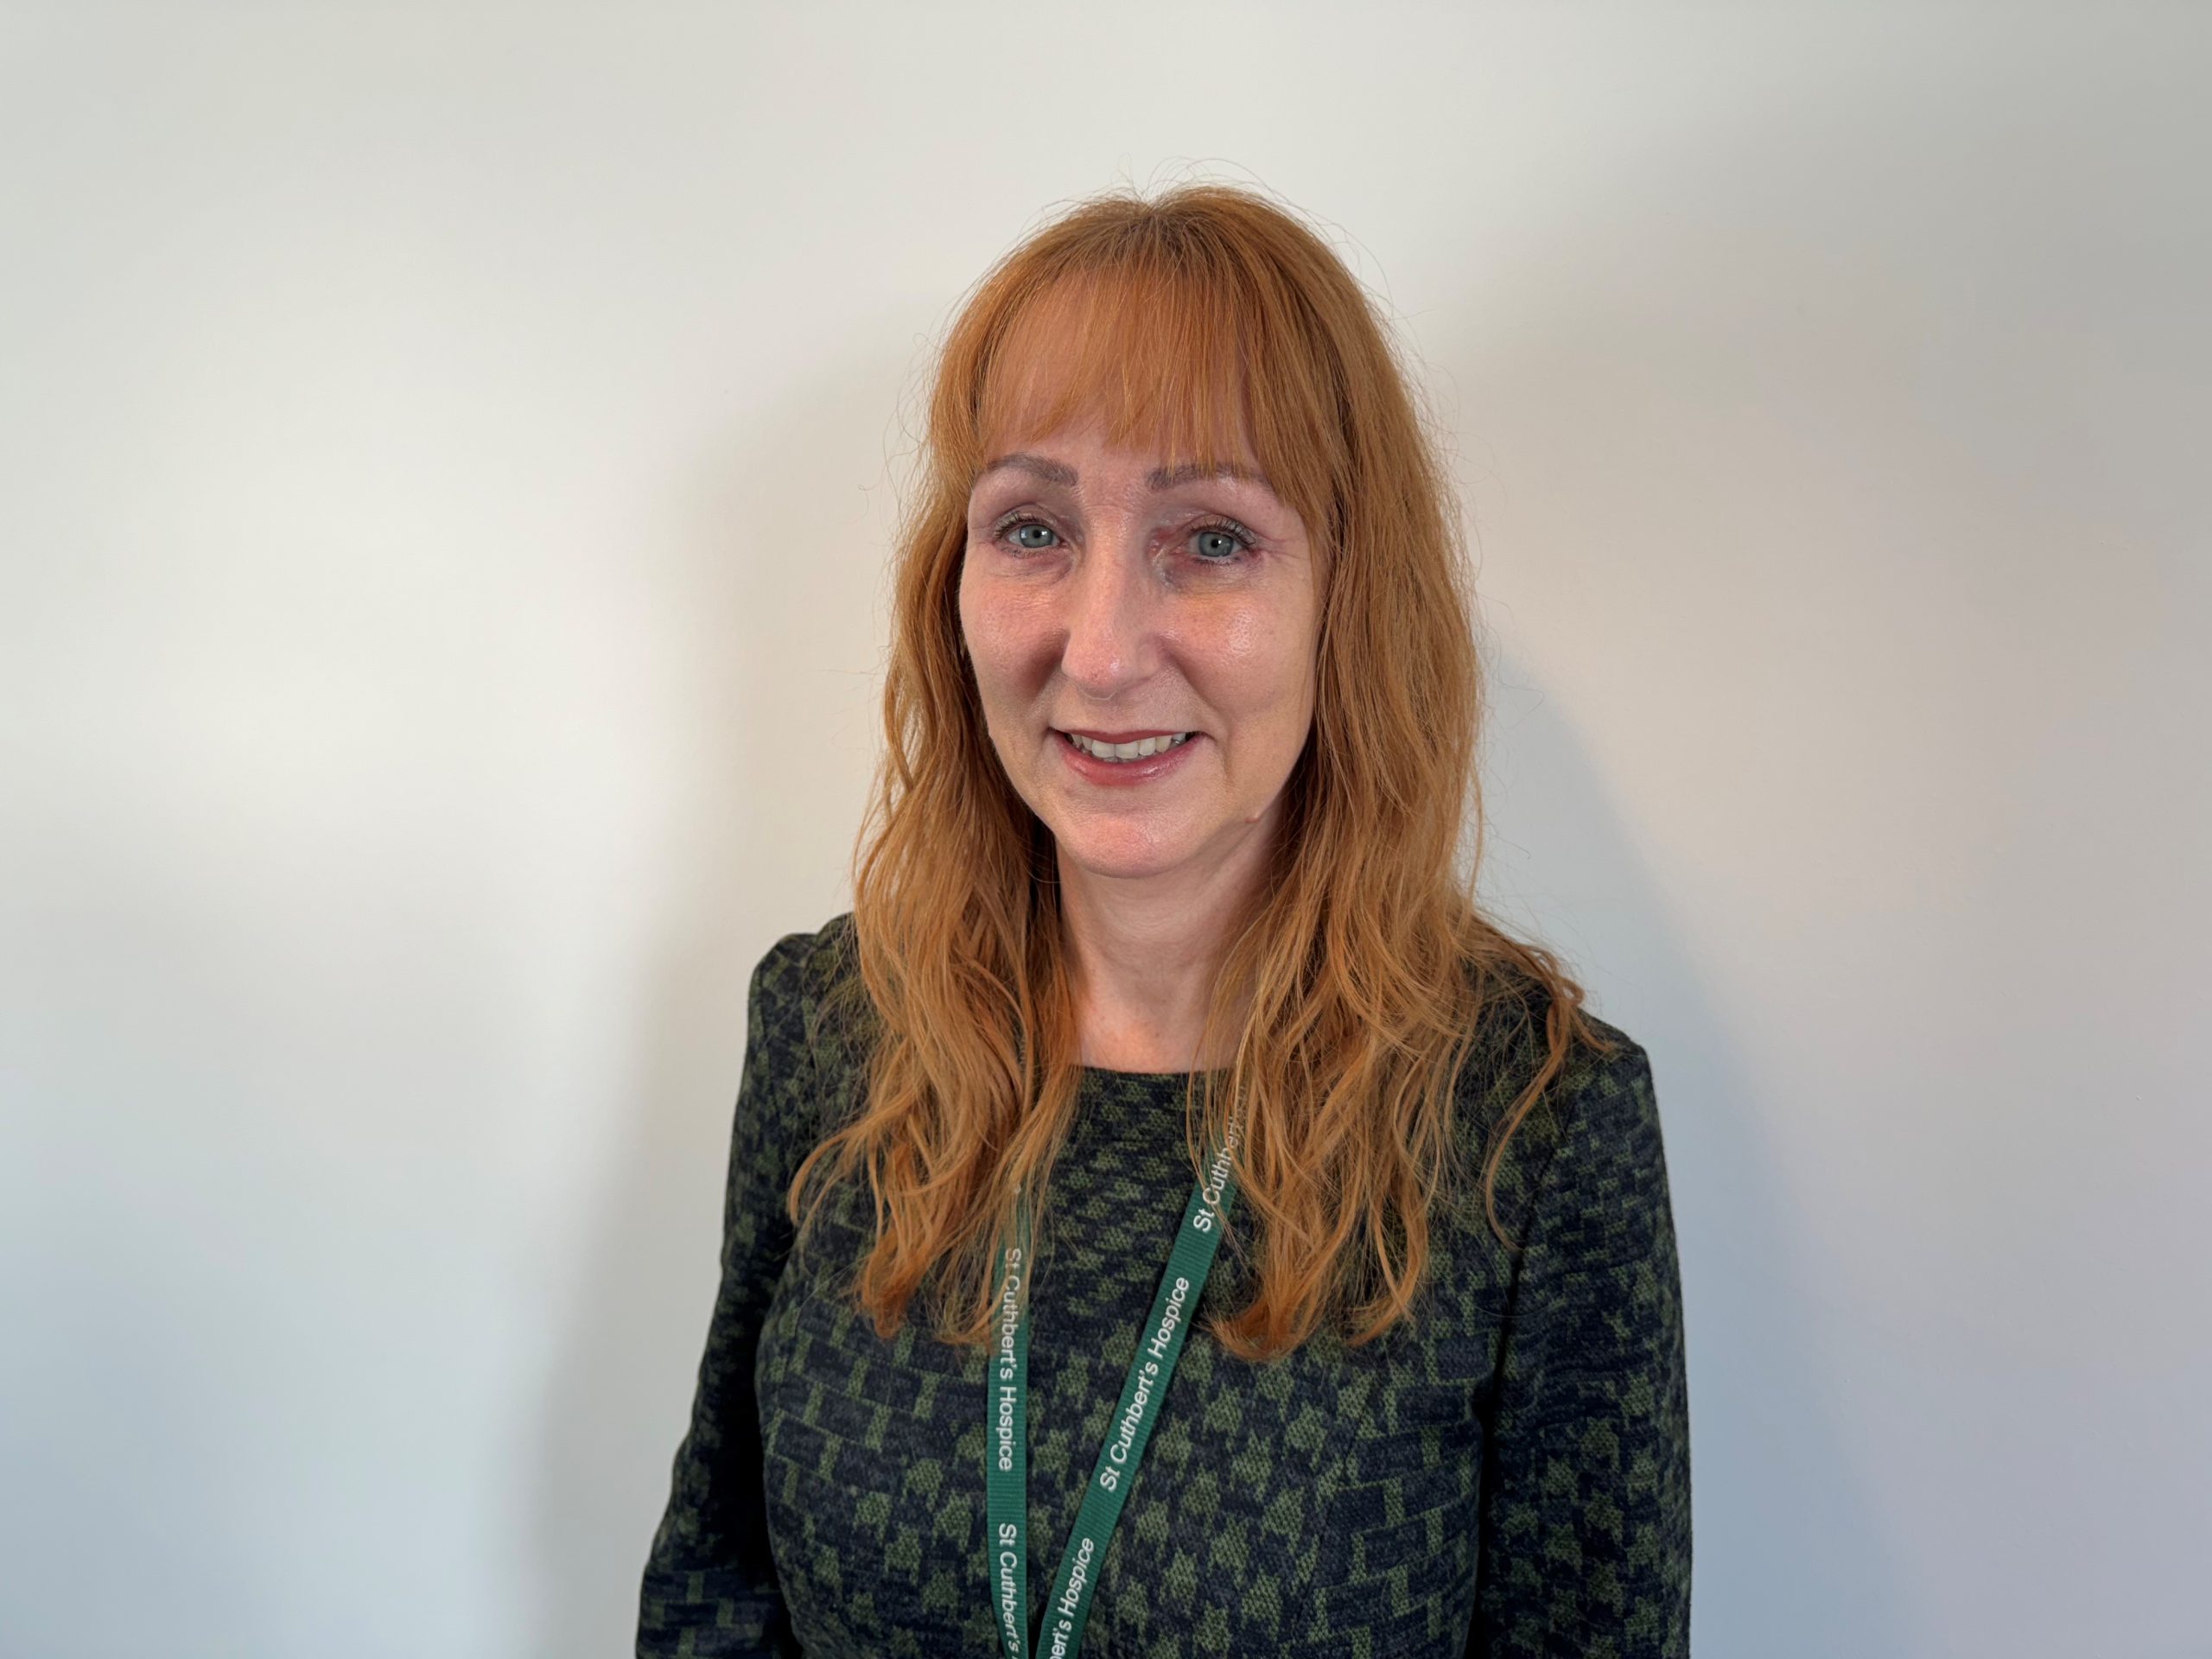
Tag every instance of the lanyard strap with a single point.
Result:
(1006, 1459)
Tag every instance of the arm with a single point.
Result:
(1586, 1505)
(710, 1585)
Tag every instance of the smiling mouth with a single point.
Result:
(1142, 749)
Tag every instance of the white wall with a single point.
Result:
(446, 465)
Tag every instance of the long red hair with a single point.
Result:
(1208, 321)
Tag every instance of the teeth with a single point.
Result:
(1127, 751)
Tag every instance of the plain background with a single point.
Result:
(447, 457)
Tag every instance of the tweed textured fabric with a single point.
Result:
(1505, 1475)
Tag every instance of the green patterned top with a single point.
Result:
(1505, 1474)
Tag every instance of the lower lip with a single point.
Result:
(1123, 773)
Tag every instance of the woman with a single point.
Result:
(1159, 953)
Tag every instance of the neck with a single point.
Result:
(1143, 952)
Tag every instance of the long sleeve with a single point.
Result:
(1585, 1509)
(710, 1585)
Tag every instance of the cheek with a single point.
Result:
(1263, 661)
(1006, 634)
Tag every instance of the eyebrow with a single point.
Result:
(1160, 478)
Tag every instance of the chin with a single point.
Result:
(1118, 858)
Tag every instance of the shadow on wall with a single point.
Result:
(1788, 1556)
(763, 561)
(1853, 372)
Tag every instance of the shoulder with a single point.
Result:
(1511, 1043)
(811, 958)
(1591, 1147)
(1606, 1199)
(1607, 1105)
(811, 1019)
(793, 980)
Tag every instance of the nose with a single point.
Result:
(1112, 618)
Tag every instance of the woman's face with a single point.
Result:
(1101, 597)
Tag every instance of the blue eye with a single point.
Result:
(1215, 541)
(1213, 532)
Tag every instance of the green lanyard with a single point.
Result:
(1006, 1457)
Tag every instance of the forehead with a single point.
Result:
(1146, 365)
(1166, 476)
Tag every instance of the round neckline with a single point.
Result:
(1108, 1072)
